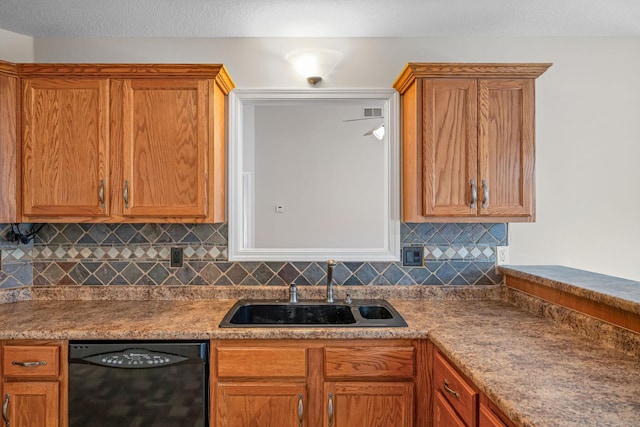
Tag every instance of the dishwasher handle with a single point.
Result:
(136, 358)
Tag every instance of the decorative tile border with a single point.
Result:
(138, 254)
(455, 242)
(132, 252)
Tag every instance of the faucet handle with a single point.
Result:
(293, 293)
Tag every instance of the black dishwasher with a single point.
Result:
(138, 384)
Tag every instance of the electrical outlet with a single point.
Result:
(412, 256)
(176, 257)
(502, 255)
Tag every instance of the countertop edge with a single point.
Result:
(586, 284)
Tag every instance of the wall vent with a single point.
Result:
(371, 112)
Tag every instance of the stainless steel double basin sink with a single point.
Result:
(270, 314)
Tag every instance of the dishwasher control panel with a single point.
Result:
(135, 358)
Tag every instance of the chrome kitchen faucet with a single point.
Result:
(330, 264)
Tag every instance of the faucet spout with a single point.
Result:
(330, 264)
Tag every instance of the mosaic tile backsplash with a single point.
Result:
(138, 254)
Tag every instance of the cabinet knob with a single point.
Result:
(300, 410)
(330, 409)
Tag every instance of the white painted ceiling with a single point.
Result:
(321, 18)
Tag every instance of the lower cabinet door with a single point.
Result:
(261, 405)
(489, 419)
(444, 415)
(366, 404)
(31, 404)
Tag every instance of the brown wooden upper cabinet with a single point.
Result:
(9, 134)
(123, 143)
(468, 141)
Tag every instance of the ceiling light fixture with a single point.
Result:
(377, 131)
(314, 64)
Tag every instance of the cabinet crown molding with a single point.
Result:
(8, 68)
(414, 70)
(129, 71)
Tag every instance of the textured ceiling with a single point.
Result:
(321, 18)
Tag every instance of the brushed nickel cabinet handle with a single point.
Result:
(29, 364)
(330, 409)
(5, 406)
(300, 410)
(474, 194)
(101, 193)
(485, 200)
(451, 392)
(125, 194)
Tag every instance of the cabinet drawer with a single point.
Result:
(368, 362)
(456, 390)
(31, 361)
(261, 362)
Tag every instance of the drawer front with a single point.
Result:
(456, 390)
(261, 362)
(369, 362)
(31, 361)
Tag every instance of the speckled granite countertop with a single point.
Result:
(613, 291)
(536, 371)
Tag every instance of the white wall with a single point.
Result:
(16, 47)
(588, 121)
(307, 167)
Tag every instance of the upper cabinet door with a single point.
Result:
(9, 139)
(468, 150)
(165, 147)
(64, 151)
(449, 151)
(506, 148)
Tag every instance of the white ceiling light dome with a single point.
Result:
(314, 64)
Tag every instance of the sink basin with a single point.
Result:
(360, 313)
(285, 314)
(375, 312)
